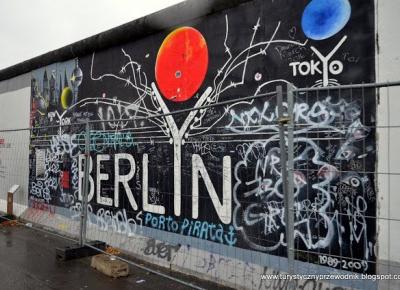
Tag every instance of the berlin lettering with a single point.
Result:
(223, 209)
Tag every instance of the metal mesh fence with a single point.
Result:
(339, 146)
(299, 181)
(14, 160)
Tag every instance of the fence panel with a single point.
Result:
(298, 181)
(338, 178)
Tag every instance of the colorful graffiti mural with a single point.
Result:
(215, 174)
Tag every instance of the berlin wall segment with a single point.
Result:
(215, 174)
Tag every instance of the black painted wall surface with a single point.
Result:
(231, 151)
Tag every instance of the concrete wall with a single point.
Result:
(388, 69)
(14, 145)
(226, 154)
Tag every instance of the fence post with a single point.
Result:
(290, 176)
(82, 236)
(283, 121)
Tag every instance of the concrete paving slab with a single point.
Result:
(28, 261)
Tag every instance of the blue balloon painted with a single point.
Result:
(324, 18)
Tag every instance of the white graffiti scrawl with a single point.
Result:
(321, 191)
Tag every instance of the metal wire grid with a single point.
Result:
(41, 141)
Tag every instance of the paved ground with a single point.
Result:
(27, 261)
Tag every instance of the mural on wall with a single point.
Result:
(215, 173)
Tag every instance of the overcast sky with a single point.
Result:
(29, 28)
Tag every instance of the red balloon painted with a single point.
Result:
(182, 63)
